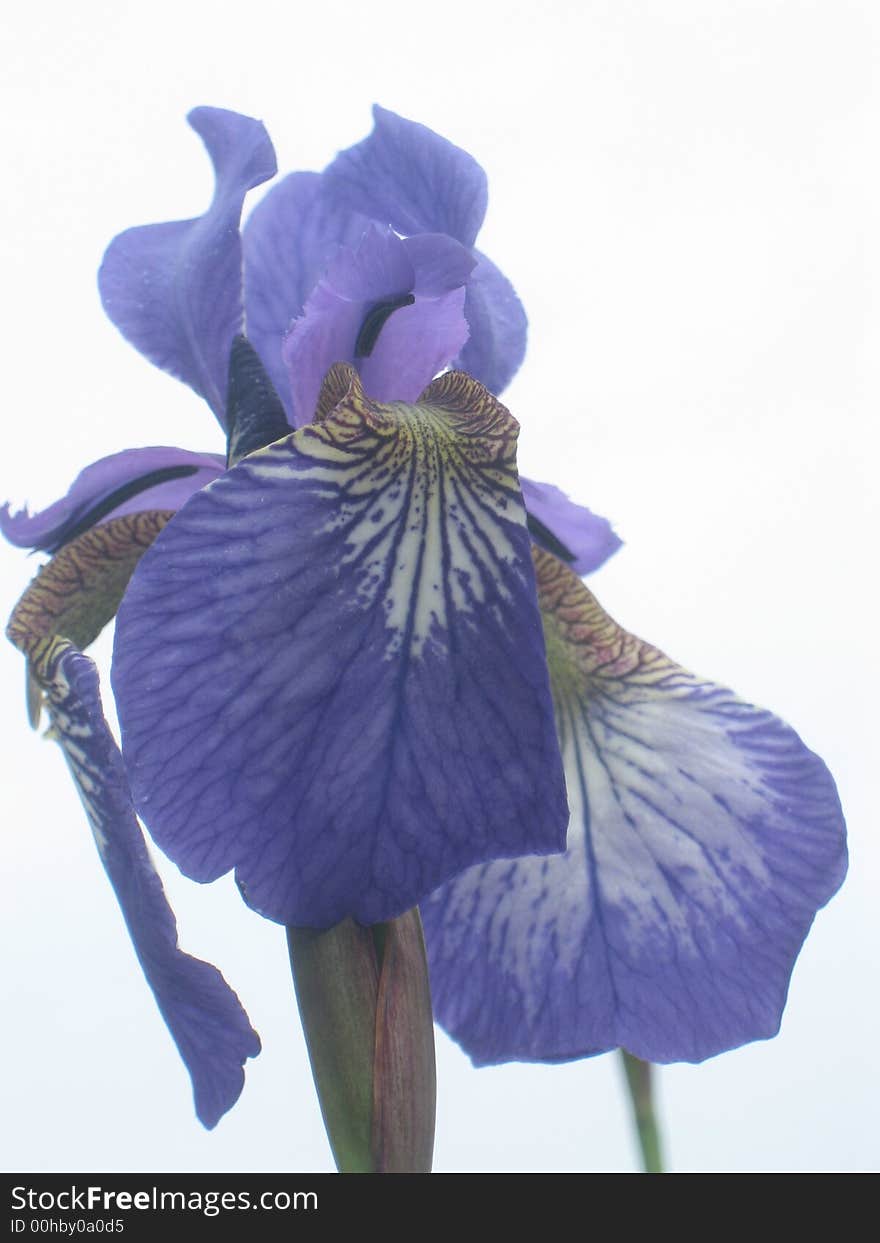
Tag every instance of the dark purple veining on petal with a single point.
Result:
(357, 705)
(704, 837)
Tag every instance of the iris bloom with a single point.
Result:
(357, 665)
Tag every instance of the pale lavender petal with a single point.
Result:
(415, 344)
(203, 1014)
(329, 329)
(159, 477)
(570, 531)
(704, 837)
(174, 290)
(324, 335)
(379, 267)
(407, 176)
(355, 706)
(288, 240)
(440, 263)
(498, 325)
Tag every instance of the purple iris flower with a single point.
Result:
(331, 668)
(371, 262)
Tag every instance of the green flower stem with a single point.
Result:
(638, 1080)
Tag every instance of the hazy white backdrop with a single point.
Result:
(685, 195)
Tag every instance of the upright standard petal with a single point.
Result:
(64, 608)
(704, 837)
(498, 324)
(289, 239)
(573, 533)
(174, 290)
(330, 671)
(405, 175)
(130, 482)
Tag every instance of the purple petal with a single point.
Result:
(160, 477)
(289, 239)
(379, 267)
(498, 325)
(328, 331)
(704, 837)
(571, 532)
(203, 1014)
(415, 344)
(324, 335)
(439, 262)
(329, 668)
(407, 176)
(74, 595)
(174, 290)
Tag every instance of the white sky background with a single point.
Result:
(685, 196)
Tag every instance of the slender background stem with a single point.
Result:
(639, 1080)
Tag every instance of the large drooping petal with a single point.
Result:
(365, 312)
(289, 239)
(203, 1014)
(704, 837)
(159, 477)
(65, 607)
(498, 324)
(330, 671)
(405, 175)
(573, 533)
(174, 290)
